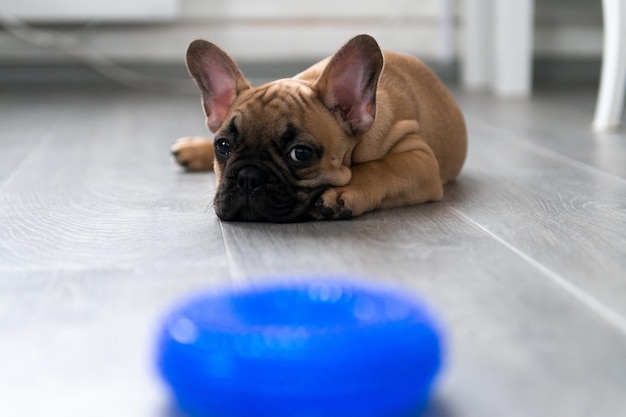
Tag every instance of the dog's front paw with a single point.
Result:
(194, 153)
(332, 205)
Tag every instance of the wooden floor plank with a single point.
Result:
(515, 339)
(565, 217)
(100, 233)
(83, 342)
(557, 121)
(24, 127)
(103, 192)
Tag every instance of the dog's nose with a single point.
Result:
(250, 178)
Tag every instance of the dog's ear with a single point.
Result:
(218, 77)
(348, 84)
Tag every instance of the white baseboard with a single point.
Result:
(90, 10)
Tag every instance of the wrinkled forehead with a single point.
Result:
(277, 102)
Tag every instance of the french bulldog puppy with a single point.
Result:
(359, 131)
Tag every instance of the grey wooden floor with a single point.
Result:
(524, 260)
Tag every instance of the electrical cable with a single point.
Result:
(103, 65)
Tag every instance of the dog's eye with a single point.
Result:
(223, 147)
(301, 153)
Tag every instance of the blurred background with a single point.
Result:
(272, 38)
(100, 230)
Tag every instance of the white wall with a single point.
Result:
(295, 30)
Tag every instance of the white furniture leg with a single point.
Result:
(513, 26)
(613, 77)
(476, 60)
(498, 46)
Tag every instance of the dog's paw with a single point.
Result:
(333, 205)
(194, 153)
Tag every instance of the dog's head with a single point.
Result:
(280, 145)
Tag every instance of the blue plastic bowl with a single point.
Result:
(316, 349)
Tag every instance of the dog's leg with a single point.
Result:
(194, 153)
(402, 177)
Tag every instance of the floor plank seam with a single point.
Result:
(46, 137)
(234, 276)
(592, 303)
(546, 152)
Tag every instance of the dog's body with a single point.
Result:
(342, 138)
